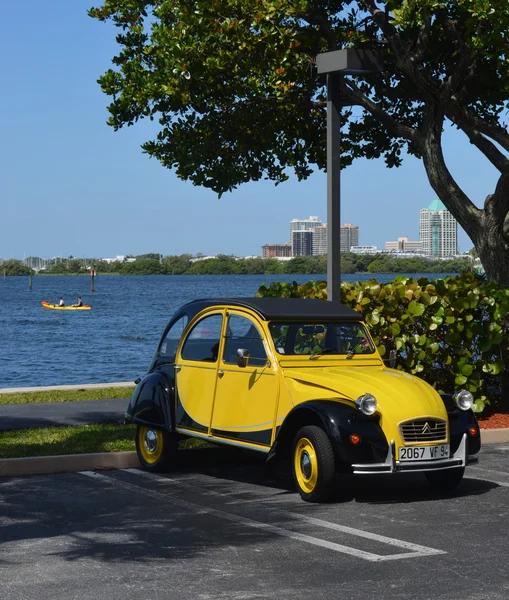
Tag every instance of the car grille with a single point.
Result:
(423, 430)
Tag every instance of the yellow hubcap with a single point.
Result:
(150, 443)
(306, 465)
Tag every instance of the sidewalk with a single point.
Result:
(54, 414)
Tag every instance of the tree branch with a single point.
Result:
(492, 130)
(403, 55)
(492, 153)
(444, 184)
(355, 96)
(422, 42)
(466, 67)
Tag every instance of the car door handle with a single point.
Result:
(177, 368)
(220, 374)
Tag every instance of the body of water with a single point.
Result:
(117, 338)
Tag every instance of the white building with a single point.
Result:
(364, 250)
(438, 231)
(403, 245)
(348, 237)
(119, 258)
(303, 225)
(320, 240)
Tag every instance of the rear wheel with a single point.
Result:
(313, 462)
(448, 479)
(156, 448)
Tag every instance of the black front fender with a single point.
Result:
(340, 420)
(151, 402)
(461, 422)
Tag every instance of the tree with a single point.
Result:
(231, 84)
(13, 267)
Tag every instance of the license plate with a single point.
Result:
(409, 453)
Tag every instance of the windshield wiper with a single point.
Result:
(322, 351)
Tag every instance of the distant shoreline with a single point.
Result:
(224, 274)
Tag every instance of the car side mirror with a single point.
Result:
(242, 357)
(391, 361)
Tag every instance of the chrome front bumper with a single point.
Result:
(391, 465)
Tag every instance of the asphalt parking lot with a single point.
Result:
(217, 528)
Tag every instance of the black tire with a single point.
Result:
(156, 448)
(445, 480)
(313, 462)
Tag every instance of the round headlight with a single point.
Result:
(366, 404)
(464, 399)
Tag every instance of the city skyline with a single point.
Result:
(438, 234)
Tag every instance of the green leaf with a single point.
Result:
(416, 308)
(467, 370)
(478, 406)
(460, 380)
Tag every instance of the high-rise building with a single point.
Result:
(349, 236)
(302, 242)
(276, 250)
(320, 240)
(438, 231)
(303, 225)
(404, 245)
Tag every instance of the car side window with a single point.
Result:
(243, 333)
(202, 342)
(168, 347)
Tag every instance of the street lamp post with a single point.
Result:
(335, 64)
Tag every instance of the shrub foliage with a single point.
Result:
(452, 332)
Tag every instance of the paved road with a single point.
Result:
(215, 529)
(47, 414)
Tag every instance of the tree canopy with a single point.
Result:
(232, 85)
(13, 267)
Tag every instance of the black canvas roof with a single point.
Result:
(281, 308)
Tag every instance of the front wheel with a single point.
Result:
(156, 448)
(445, 480)
(314, 465)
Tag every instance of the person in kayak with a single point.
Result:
(79, 302)
(61, 302)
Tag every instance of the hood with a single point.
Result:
(400, 396)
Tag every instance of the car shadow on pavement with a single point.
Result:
(239, 466)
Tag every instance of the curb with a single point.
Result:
(86, 386)
(70, 463)
(494, 436)
(67, 463)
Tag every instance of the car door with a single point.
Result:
(196, 367)
(246, 396)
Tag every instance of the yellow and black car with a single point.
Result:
(298, 379)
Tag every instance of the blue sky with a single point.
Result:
(70, 185)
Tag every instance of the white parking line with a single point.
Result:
(416, 550)
(482, 470)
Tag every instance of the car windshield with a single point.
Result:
(321, 339)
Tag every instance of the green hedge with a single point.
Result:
(451, 332)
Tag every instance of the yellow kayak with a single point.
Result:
(56, 307)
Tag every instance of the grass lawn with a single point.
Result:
(67, 395)
(86, 439)
(66, 440)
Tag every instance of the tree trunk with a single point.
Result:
(494, 255)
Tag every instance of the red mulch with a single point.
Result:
(494, 421)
